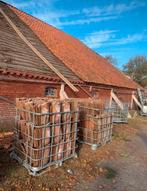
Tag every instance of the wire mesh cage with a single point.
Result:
(144, 107)
(119, 115)
(95, 126)
(143, 100)
(44, 139)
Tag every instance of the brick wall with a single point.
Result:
(79, 94)
(125, 95)
(103, 93)
(12, 90)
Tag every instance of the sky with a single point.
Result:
(109, 27)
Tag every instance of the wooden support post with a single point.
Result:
(119, 103)
(132, 100)
(115, 98)
(85, 91)
(137, 102)
(110, 101)
(63, 94)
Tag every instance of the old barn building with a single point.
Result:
(36, 58)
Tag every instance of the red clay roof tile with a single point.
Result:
(88, 65)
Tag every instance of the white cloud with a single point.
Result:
(46, 10)
(51, 17)
(112, 9)
(61, 18)
(130, 39)
(54, 18)
(23, 4)
(42, 9)
(96, 39)
(88, 20)
(107, 38)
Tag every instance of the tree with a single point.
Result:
(136, 68)
(111, 60)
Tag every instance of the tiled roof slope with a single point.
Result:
(16, 55)
(88, 65)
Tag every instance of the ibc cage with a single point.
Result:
(95, 127)
(44, 139)
(119, 115)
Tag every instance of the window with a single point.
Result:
(95, 94)
(51, 92)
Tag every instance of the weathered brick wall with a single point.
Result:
(7, 113)
(104, 94)
(79, 94)
(125, 95)
(12, 90)
(100, 93)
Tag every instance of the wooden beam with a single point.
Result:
(119, 103)
(110, 101)
(37, 52)
(132, 100)
(137, 102)
(115, 98)
(85, 91)
(63, 94)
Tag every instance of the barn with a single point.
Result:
(37, 59)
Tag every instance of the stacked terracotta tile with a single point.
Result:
(95, 123)
(49, 134)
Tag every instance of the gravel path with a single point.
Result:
(130, 163)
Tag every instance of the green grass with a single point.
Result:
(111, 173)
(120, 136)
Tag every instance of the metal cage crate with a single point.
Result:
(143, 100)
(51, 142)
(95, 127)
(119, 115)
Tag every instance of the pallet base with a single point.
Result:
(34, 171)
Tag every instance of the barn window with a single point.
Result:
(94, 94)
(50, 91)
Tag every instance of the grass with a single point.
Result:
(120, 136)
(111, 173)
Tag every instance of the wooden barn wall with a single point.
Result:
(14, 51)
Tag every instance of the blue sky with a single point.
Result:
(114, 27)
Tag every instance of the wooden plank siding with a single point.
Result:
(14, 53)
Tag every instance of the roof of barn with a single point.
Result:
(72, 57)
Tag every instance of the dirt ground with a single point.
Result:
(118, 166)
